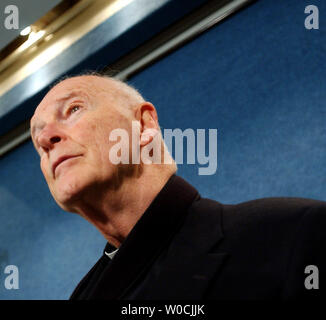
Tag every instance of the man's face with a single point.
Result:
(70, 130)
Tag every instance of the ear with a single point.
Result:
(149, 128)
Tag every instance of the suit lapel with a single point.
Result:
(186, 268)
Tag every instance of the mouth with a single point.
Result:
(61, 160)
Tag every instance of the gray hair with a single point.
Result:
(124, 86)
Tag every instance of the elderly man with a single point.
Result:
(163, 240)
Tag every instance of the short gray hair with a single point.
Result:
(126, 91)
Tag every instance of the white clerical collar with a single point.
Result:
(111, 254)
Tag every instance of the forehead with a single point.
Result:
(85, 86)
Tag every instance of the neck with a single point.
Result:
(114, 211)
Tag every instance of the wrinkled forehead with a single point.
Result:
(87, 87)
(64, 90)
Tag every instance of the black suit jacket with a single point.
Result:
(188, 247)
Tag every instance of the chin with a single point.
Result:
(66, 193)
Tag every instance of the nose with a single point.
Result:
(49, 136)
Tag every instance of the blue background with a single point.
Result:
(259, 78)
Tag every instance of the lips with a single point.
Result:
(60, 160)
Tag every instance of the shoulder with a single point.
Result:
(264, 208)
(265, 219)
(274, 211)
(271, 240)
(278, 205)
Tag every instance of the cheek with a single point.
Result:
(44, 168)
(95, 141)
(102, 144)
(94, 137)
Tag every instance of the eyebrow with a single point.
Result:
(70, 95)
(60, 101)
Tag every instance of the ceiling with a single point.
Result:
(29, 12)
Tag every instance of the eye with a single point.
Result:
(73, 109)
